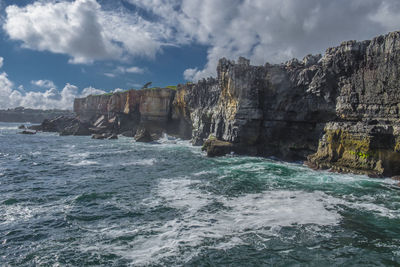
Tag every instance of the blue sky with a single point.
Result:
(53, 51)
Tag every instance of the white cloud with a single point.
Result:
(134, 70)
(123, 70)
(110, 75)
(52, 98)
(271, 30)
(44, 84)
(261, 30)
(1, 61)
(5, 90)
(91, 91)
(82, 30)
(189, 74)
(117, 90)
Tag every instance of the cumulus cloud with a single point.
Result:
(44, 84)
(52, 98)
(123, 70)
(80, 29)
(271, 30)
(91, 91)
(1, 61)
(261, 30)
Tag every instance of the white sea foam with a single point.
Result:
(79, 155)
(142, 162)
(263, 213)
(83, 163)
(8, 128)
(13, 213)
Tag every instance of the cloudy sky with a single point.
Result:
(52, 51)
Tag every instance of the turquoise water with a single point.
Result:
(73, 201)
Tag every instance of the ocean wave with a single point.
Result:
(142, 162)
(83, 163)
(264, 214)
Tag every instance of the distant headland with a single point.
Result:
(21, 114)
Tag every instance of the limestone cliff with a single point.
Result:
(340, 110)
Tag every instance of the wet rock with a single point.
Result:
(113, 137)
(128, 133)
(21, 127)
(78, 128)
(99, 136)
(144, 136)
(215, 147)
(27, 132)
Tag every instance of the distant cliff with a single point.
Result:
(338, 111)
(31, 115)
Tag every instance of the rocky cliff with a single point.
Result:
(339, 111)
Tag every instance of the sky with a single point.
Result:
(52, 51)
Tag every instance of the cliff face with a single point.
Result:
(149, 108)
(271, 110)
(340, 110)
(366, 138)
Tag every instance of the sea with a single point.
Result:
(75, 201)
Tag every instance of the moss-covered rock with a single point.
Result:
(354, 147)
(215, 147)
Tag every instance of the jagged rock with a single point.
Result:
(128, 133)
(78, 129)
(55, 125)
(27, 132)
(99, 136)
(113, 137)
(144, 136)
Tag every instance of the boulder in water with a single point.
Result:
(216, 148)
(144, 136)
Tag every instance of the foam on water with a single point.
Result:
(83, 163)
(168, 204)
(142, 162)
(263, 213)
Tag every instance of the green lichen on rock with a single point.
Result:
(351, 148)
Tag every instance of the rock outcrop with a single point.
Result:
(339, 111)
